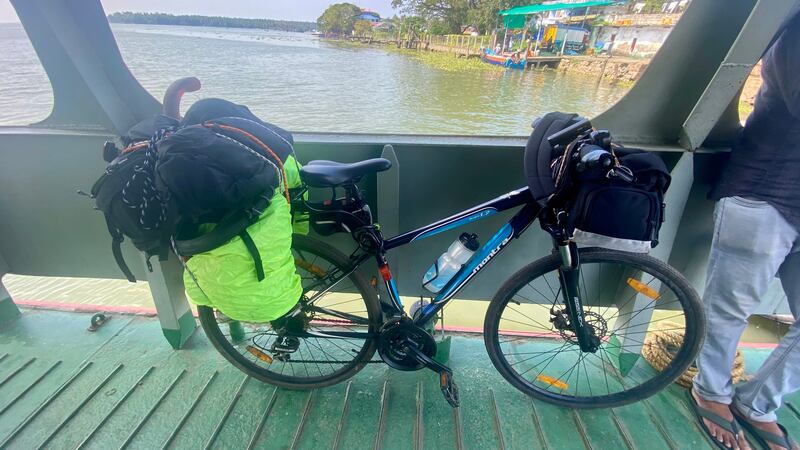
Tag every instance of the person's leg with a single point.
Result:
(759, 398)
(750, 241)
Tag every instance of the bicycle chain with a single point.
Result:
(372, 361)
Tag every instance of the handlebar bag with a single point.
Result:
(611, 213)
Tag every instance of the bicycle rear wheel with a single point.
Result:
(627, 297)
(262, 350)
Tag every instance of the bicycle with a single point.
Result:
(577, 313)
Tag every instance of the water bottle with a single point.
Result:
(450, 262)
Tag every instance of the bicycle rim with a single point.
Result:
(630, 300)
(262, 349)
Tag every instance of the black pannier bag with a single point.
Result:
(602, 211)
(611, 213)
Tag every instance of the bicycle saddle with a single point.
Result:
(323, 173)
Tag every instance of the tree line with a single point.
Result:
(442, 16)
(430, 16)
(210, 21)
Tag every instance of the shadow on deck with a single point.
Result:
(123, 387)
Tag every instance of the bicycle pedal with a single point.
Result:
(449, 389)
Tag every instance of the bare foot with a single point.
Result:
(725, 437)
(770, 427)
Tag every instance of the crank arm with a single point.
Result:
(427, 361)
(446, 382)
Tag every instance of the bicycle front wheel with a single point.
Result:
(343, 300)
(630, 300)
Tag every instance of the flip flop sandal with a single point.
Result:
(731, 426)
(765, 437)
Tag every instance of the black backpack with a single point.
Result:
(210, 168)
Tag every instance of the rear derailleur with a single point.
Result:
(286, 328)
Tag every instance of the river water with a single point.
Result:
(303, 83)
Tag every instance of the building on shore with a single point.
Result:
(369, 16)
(630, 29)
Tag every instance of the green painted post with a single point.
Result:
(8, 310)
(166, 285)
(442, 349)
(237, 331)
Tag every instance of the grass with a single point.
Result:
(744, 110)
(449, 62)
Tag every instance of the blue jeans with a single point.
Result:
(752, 244)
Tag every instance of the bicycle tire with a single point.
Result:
(208, 321)
(685, 293)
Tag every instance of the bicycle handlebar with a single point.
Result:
(570, 133)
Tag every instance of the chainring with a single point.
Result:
(394, 341)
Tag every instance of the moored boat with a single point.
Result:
(508, 61)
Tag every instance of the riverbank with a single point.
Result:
(448, 62)
(624, 70)
(467, 57)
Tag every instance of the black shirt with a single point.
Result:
(765, 163)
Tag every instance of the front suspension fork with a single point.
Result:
(569, 276)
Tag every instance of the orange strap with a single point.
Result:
(135, 146)
(262, 145)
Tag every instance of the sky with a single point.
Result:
(306, 10)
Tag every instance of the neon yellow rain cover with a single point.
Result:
(225, 277)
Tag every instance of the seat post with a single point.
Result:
(353, 191)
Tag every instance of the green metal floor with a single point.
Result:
(62, 387)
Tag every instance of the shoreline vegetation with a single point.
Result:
(210, 21)
(448, 62)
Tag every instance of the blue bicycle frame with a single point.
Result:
(530, 209)
(511, 230)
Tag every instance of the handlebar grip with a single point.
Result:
(173, 94)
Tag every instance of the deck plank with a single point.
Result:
(409, 414)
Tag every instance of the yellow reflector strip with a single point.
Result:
(552, 382)
(643, 289)
(310, 268)
(259, 354)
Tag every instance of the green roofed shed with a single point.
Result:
(533, 9)
(515, 22)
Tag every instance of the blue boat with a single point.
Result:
(502, 60)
